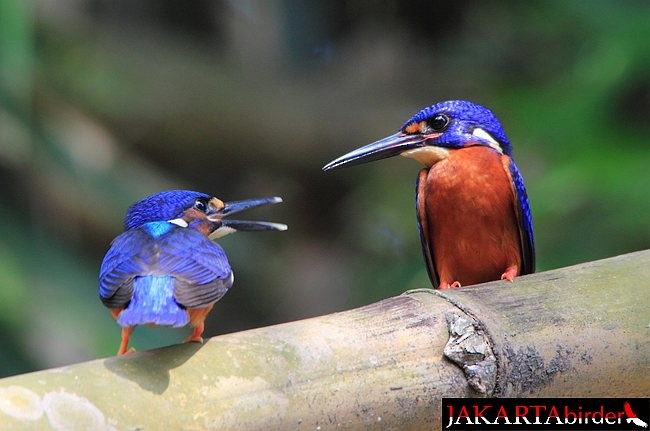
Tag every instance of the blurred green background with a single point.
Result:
(103, 102)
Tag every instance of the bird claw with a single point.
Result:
(453, 285)
(510, 274)
(195, 337)
(128, 352)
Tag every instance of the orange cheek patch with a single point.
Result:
(192, 213)
(217, 203)
(413, 128)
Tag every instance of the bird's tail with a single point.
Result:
(153, 303)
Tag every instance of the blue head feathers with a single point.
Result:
(162, 206)
(464, 120)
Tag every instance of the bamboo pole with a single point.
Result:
(578, 331)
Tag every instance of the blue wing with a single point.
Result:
(199, 267)
(525, 220)
(120, 267)
(423, 228)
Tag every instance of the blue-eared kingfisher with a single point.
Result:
(164, 269)
(473, 213)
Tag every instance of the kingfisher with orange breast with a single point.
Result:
(473, 213)
(164, 269)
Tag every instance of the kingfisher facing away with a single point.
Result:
(164, 269)
(473, 214)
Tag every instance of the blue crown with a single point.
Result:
(162, 206)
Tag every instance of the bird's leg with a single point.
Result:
(510, 274)
(126, 333)
(446, 285)
(197, 318)
(196, 334)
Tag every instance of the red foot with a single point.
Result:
(196, 335)
(445, 285)
(510, 274)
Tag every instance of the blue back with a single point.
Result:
(153, 302)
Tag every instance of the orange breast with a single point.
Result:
(470, 215)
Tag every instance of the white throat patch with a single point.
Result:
(428, 155)
(221, 232)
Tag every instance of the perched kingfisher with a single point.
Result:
(164, 269)
(473, 213)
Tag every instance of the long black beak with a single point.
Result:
(382, 149)
(233, 207)
(237, 206)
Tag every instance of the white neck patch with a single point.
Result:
(178, 222)
(493, 143)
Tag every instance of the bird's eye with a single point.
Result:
(201, 205)
(438, 122)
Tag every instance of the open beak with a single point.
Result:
(229, 226)
(388, 147)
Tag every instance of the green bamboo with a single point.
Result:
(578, 331)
